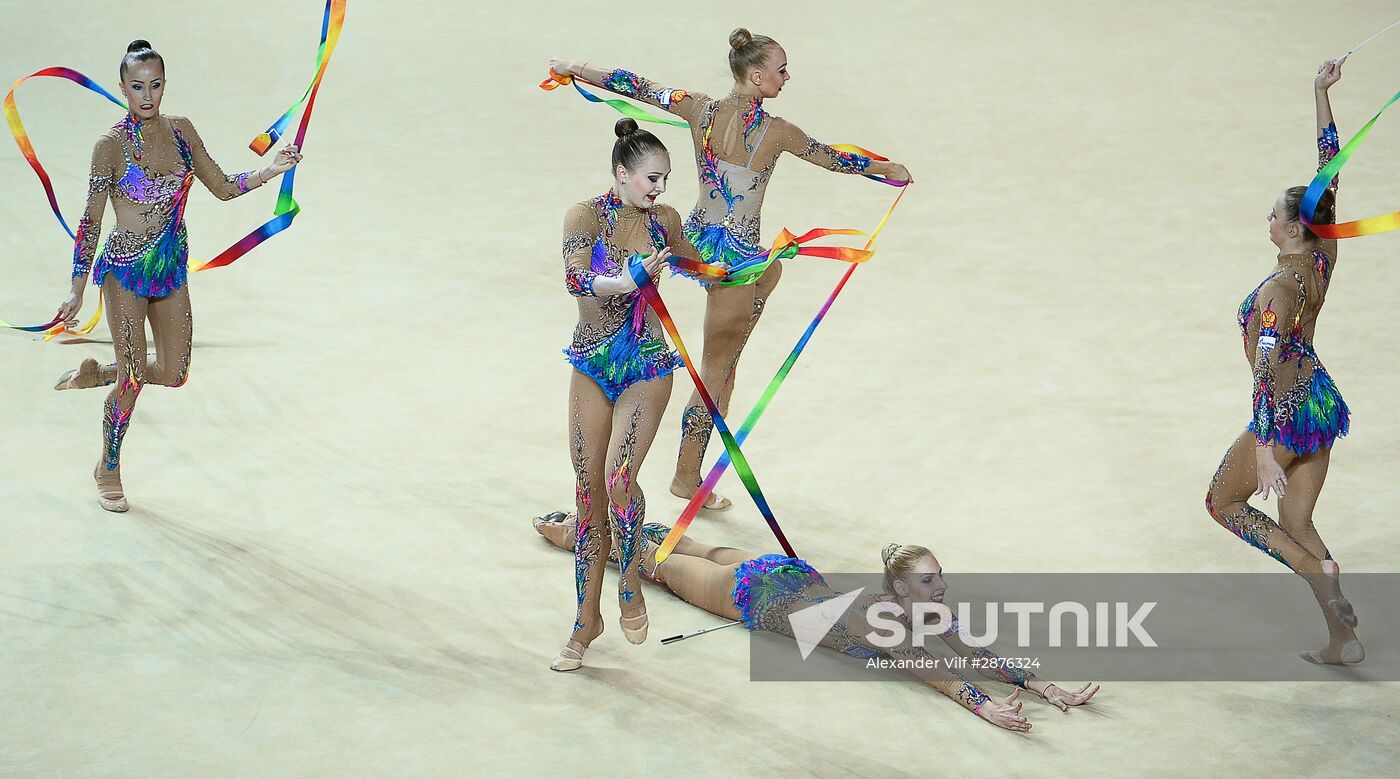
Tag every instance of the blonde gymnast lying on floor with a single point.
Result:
(762, 590)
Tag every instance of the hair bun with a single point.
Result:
(889, 551)
(740, 38)
(1326, 213)
(625, 127)
(140, 44)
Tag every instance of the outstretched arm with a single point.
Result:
(628, 84)
(990, 666)
(1328, 144)
(804, 146)
(1328, 74)
(227, 187)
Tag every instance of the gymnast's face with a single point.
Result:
(770, 78)
(925, 583)
(143, 86)
(1280, 229)
(641, 187)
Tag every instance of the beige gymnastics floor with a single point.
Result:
(328, 569)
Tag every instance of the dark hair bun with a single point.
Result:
(1326, 213)
(740, 38)
(625, 127)
(140, 44)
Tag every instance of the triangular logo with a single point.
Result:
(810, 625)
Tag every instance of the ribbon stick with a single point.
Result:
(731, 447)
(1358, 46)
(1307, 209)
(287, 208)
(708, 485)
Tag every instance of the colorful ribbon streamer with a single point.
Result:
(287, 208)
(1307, 209)
(731, 447)
(22, 137)
(708, 485)
(26, 147)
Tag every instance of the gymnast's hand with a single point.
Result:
(1058, 697)
(1270, 475)
(1005, 714)
(898, 172)
(1328, 73)
(652, 264)
(285, 160)
(68, 311)
(562, 67)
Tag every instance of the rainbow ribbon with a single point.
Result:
(286, 209)
(1371, 225)
(708, 485)
(54, 326)
(731, 447)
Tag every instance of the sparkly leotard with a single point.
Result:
(768, 589)
(146, 169)
(618, 340)
(737, 146)
(1296, 403)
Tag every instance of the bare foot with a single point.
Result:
(84, 377)
(559, 529)
(715, 502)
(109, 489)
(1349, 653)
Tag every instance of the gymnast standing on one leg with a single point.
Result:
(737, 146)
(622, 373)
(1298, 411)
(145, 166)
(762, 590)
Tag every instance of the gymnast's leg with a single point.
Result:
(1306, 475)
(172, 324)
(636, 417)
(590, 422)
(1227, 501)
(696, 579)
(730, 316)
(126, 318)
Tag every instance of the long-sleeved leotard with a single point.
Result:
(737, 146)
(145, 170)
(618, 340)
(1296, 404)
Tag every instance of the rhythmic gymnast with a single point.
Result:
(763, 590)
(144, 165)
(622, 373)
(1298, 410)
(737, 146)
